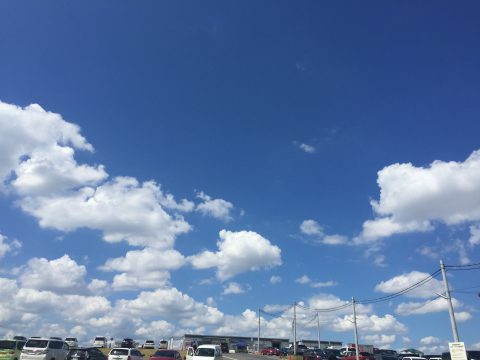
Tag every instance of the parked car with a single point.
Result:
(270, 351)
(149, 344)
(300, 349)
(205, 352)
(385, 354)
(332, 354)
(164, 354)
(163, 344)
(314, 354)
(124, 354)
(11, 349)
(20, 338)
(72, 342)
(224, 347)
(44, 349)
(88, 353)
(351, 355)
(284, 351)
(100, 341)
(127, 343)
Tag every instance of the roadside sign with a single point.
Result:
(457, 351)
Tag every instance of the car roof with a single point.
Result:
(211, 346)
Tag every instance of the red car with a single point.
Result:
(361, 356)
(270, 351)
(166, 355)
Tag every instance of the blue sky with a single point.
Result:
(171, 167)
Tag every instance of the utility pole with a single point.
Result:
(258, 330)
(355, 327)
(318, 330)
(448, 297)
(295, 329)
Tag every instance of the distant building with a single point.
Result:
(244, 343)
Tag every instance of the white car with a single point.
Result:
(125, 354)
(72, 342)
(100, 341)
(204, 352)
(44, 349)
(149, 344)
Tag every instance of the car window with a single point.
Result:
(205, 352)
(7, 344)
(37, 343)
(119, 352)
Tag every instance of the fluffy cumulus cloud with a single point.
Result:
(429, 340)
(216, 208)
(380, 341)
(403, 281)
(413, 198)
(233, 288)
(238, 252)
(8, 246)
(146, 268)
(314, 230)
(370, 324)
(474, 235)
(431, 306)
(62, 275)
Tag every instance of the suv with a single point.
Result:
(127, 343)
(149, 344)
(125, 354)
(11, 349)
(100, 341)
(44, 349)
(72, 342)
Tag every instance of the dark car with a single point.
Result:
(332, 354)
(300, 349)
(314, 354)
(90, 353)
(23, 338)
(284, 351)
(224, 347)
(164, 354)
(127, 343)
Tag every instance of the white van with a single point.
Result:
(205, 352)
(100, 342)
(44, 349)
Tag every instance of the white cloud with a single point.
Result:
(397, 283)
(314, 229)
(6, 247)
(380, 340)
(320, 284)
(413, 198)
(62, 275)
(474, 235)
(138, 280)
(275, 279)
(216, 208)
(303, 280)
(309, 149)
(429, 306)
(311, 227)
(26, 130)
(238, 252)
(142, 221)
(233, 288)
(370, 324)
(429, 340)
(97, 286)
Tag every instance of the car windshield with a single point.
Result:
(70, 339)
(205, 352)
(169, 354)
(36, 344)
(119, 352)
(78, 352)
(7, 344)
(99, 339)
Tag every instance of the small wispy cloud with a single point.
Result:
(275, 279)
(305, 280)
(309, 149)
